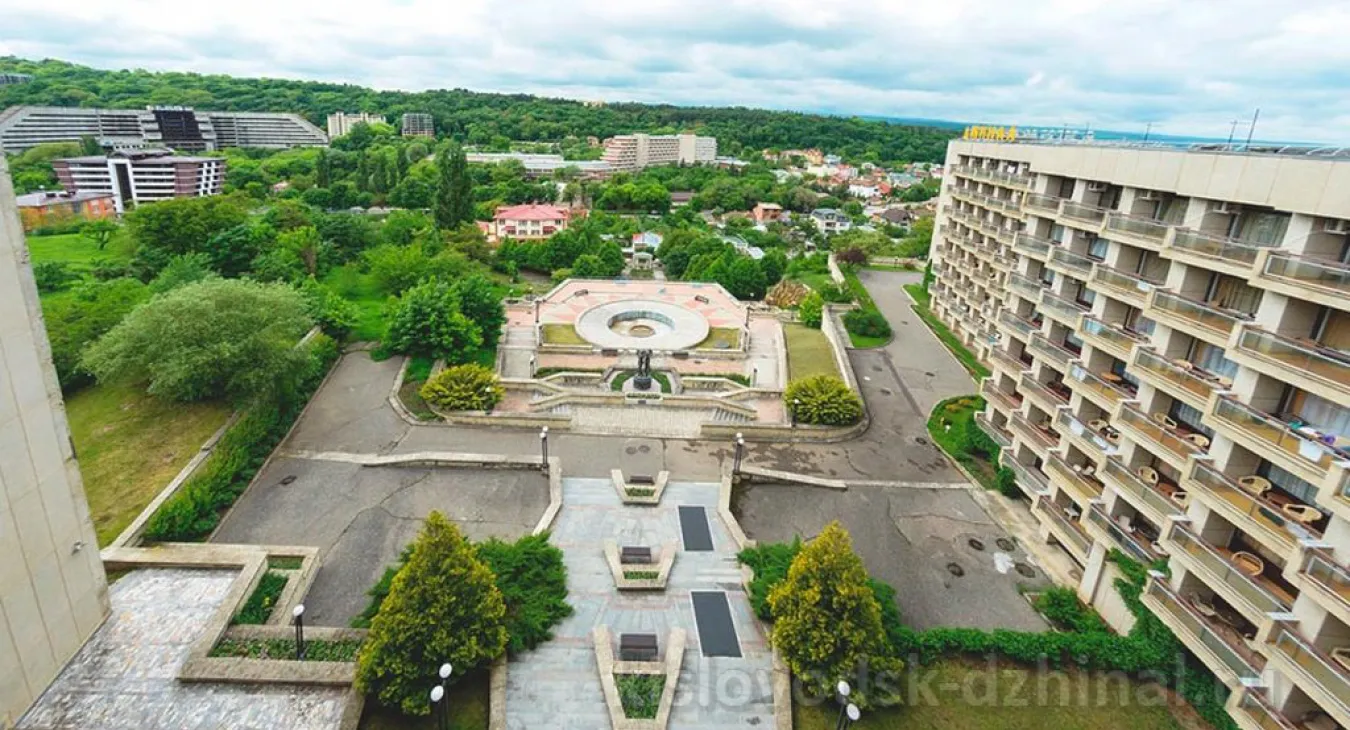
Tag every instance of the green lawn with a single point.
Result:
(468, 703)
(959, 414)
(815, 281)
(77, 251)
(808, 352)
(721, 338)
(130, 446)
(562, 334)
(863, 341)
(976, 697)
(361, 290)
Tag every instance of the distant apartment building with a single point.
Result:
(179, 128)
(1169, 335)
(529, 222)
(53, 592)
(341, 123)
(56, 207)
(11, 79)
(542, 165)
(637, 151)
(416, 124)
(831, 221)
(132, 177)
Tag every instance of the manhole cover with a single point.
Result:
(1024, 570)
(630, 450)
(975, 543)
(955, 570)
(886, 391)
(920, 440)
(645, 449)
(929, 373)
(876, 368)
(1005, 544)
(288, 479)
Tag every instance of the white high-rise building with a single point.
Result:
(1169, 335)
(340, 123)
(637, 151)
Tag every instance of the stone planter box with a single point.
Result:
(661, 565)
(623, 486)
(608, 666)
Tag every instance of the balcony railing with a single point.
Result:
(1118, 341)
(1309, 456)
(1129, 483)
(1042, 203)
(1032, 434)
(999, 356)
(1070, 530)
(1025, 244)
(1090, 381)
(1083, 212)
(1127, 542)
(1131, 288)
(1183, 619)
(1151, 363)
(1159, 435)
(1242, 508)
(1040, 394)
(1076, 263)
(1206, 245)
(1322, 570)
(1220, 570)
(1135, 227)
(1324, 672)
(1291, 354)
(1000, 436)
(1083, 489)
(1029, 477)
(1326, 277)
(1017, 325)
(996, 396)
(1261, 713)
(1042, 348)
(1063, 310)
(1066, 423)
(1196, 313)
(1029, 288)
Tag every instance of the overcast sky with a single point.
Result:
(1189, 66)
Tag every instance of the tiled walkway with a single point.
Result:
(125, 676)
(557, 686)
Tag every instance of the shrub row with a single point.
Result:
(195, 510)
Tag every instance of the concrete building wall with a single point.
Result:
(53, 592)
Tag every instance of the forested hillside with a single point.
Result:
(476, 118)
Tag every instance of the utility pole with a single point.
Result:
(1147, 128)
(1252, 129)
(1232, 130)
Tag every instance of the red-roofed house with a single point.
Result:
(530, 222)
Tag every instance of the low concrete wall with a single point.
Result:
(782, 432)
(787, 477)
(839, 343)
(835, 272)
(729, 519)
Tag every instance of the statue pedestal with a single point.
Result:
(642, 382)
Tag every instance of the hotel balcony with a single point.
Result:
(1081, 215)
(1107, 390)
(1051, 353)
(1029, 288)
(1255, 515)
(1107, 337)
(1041, 440)
(1025, 244)
(1062, 310)
(1096, 442)
(1128, 288)
(1254, 712)
(1049, 398)
(1306, 364)
(1173, 445)
(1033, 480)
(1305, 277)
(1132, 540)
(1017, 326)
(1065, 527)
(1217, 644)
(1068, 262)
(1254, 595)
(1206, 250)
(1307, 457)
(1324, 678)
(1000, 360)
(1078, 483)
(1041, 204)
(1139, 232)
(1192, 317)
(1157, 502)
(1326, 581)
(1002, 437)
(1184, 381)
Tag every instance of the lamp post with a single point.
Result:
(754, 376)
(438, 709)
(543, 446)
(443, 716)
(740, 449)
(851, 715)
(532, 361)
(842, 691)
(796, 403)
(299, 614)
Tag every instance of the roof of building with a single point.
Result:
(532, 212)
(769, 206)
(896, 215)
(648, 237)
(49, 197)
(141, 154)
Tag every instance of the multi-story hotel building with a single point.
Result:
(132, 177)
(1169, 335)
(637, 151)
(340, 123)
(53, 592)
(179, 128)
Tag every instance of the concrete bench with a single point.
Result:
(634, 554)
(641, 479)
(637, 647)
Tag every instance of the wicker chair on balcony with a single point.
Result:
(1255, 485)
(1148, 474)
(1164, 420)
(1249, 563)
(1302, 513)
(1199, 439)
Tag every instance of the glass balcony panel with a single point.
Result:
(1081, 487)
(1222, 570)
(1160, 367)
(1033, 434)
(1314, 455)
(1147, 228)
(1042, 203)
(1126, 541)
(1198, 314)
(1119, 339)
(1062, 309)
(1253, 513)
(1000, 436)
(1070, 529)
(1091, 381)
(1029, 288)
(1083, 212)
(1332, 678)
(1048, 398)
(1042, 348)
(1322, 570)
(1001, 357)
(1327, 276)
(1317, 363)
(1028, 245)
(1125, 286)
(1075, 262)
(1180, 616)
(1066, 423)
(1032, 479)
(1129, 483)
(1019, 326)
(1262, 714)
(1229, 250)
(1159, 435)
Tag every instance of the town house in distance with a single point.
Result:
(1169, 335)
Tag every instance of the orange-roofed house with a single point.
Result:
(530, 222)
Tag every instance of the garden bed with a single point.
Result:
(952, 427)
(562, 334)
(468, 701)
(260, 604)
(809, 352)
(640, 694)
(316, 650)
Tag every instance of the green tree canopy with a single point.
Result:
(180, 225)
(454, 189)
(427, 322)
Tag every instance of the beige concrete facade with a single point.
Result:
(1169, 335)
(53, 592)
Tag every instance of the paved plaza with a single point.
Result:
(557, 685)
(125, 676)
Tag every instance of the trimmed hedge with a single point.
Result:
(196, 509)
(824, 400)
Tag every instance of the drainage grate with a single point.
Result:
(716, 630)
(694, 528)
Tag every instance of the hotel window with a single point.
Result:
(1057, 233)
(1190, 417)
(1136, 322)
(1259, 228)
(1073, 343)
(1314, 411)
(1331, 329)
(1097, 247)
(1209, 358)
(1083, 295)
(1171, 210)
(1233, 294)
(1303, 491)
(1151, 266)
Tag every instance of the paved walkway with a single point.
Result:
(765, 338)
(125, 677)
(557, 685)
